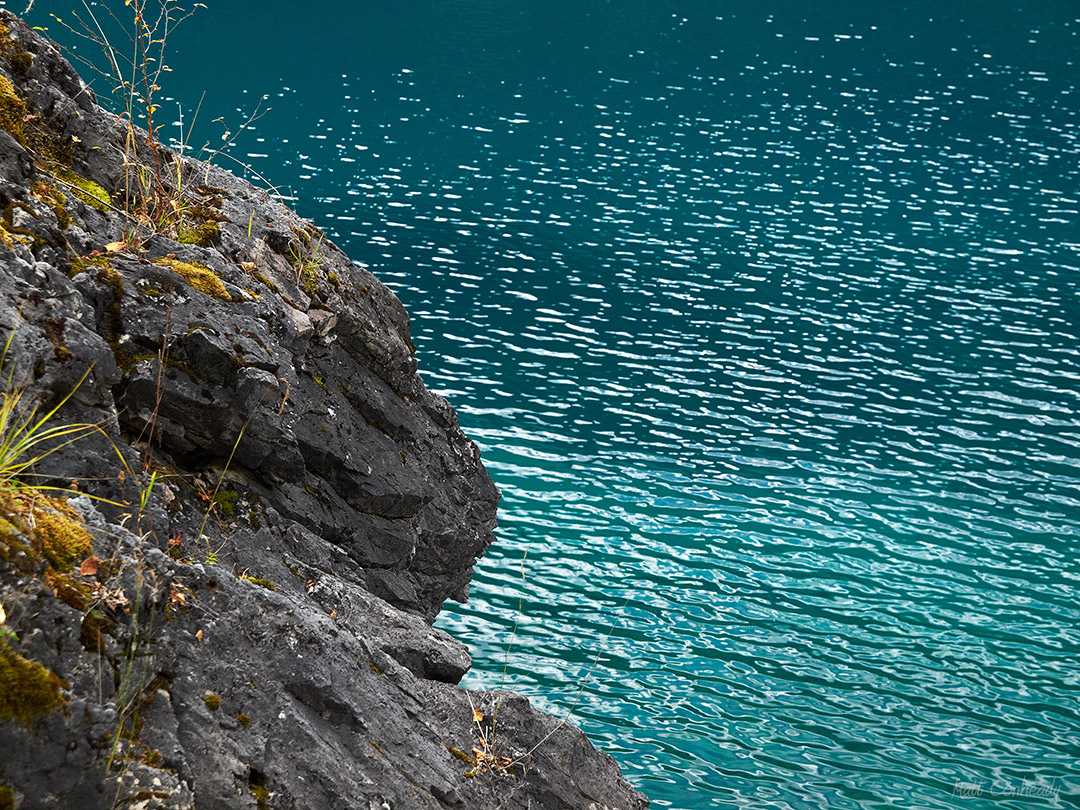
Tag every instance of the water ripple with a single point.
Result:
(766, 322)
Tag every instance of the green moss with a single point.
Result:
(319, 381)
(7, 797)
(262, 583)
(21, 63)
(225, 500)
(15, 547)
(305, 258)
(198, 276)
(7, 238)
(82, 264)
(150, 291)
(152, 758)
(12, 110)
(27, 689)
(202, 234)
(86, 190)
(213, 702)
(58, 534)
(243, 719)
(308, 274)
(333, 279)
(459, 754)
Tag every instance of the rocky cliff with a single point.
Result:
(235, 609)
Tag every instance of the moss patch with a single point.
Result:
(225, 500)
(201, 233)
(264, 280)
(198, 276)
(27, 689)
(459, 754)
(42, 528)
(58, 535)
(151, 291)
(305, 257)
(262, 583)
(12, 110)
(86, 190)
(82, 264)
(200, 216)
(213, 702)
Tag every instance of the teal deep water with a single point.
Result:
(765, 318)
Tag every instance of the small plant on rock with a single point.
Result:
(27, 437)
(305, 255)
(162, 193)
(485, 755)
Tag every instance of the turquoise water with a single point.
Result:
(766, 322)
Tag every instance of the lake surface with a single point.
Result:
(765, 317)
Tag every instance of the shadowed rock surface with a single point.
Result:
(257, 633)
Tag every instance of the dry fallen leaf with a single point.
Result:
(89, 567)
(198, 636)
(476, 716)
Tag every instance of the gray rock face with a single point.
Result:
(278, 506)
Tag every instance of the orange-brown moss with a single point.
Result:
(27, 689)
